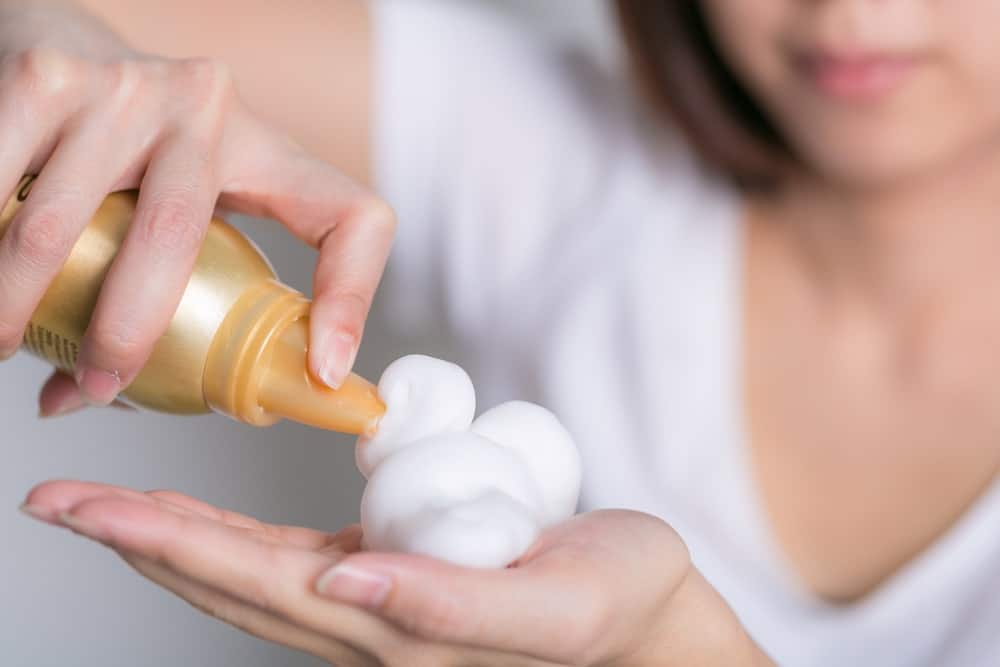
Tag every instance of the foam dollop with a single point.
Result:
(474, 493)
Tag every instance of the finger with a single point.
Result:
(39, 94)
(147, 279)
(567, 603)
(44, 230)
(46, 501)
(439, 602)
(352, 257)
(275, 578)
(50, 499)
(297, 536)
(59, 396)
(352, 229)
(247, 617)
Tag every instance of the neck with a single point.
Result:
(926, 239)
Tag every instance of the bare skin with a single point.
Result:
(871, 287)
(871, 282)
(301, 65)
(872, 428)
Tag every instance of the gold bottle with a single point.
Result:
(236, 345)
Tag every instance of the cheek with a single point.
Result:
(747, 33)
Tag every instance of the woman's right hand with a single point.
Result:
(95, 117)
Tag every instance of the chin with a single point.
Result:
(870, 170)
(880, 160)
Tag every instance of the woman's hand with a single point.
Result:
(605, 588)
(91, 116)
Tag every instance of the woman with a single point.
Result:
(780, 343)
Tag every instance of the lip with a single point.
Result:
(862, 76)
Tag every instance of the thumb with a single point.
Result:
(552, 611)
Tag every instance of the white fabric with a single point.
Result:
(582, 261)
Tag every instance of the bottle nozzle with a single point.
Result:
(287, 389)
(257, 368)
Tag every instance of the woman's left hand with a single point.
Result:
(605, 588)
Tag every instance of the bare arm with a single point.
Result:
(302, 65)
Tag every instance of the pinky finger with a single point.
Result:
(61, 396)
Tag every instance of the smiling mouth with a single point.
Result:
(855, 77)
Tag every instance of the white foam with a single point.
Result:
(474, 493)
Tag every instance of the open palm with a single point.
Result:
(594, 590)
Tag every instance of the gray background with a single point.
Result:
(66, 601)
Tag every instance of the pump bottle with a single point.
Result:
(236, 344)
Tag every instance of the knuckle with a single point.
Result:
(41, 70)
(345, 316)
(353, 302)
(123, 78)
(170, 227)
(119, 345)
(379, 213)
(41, 237)
(204, 81)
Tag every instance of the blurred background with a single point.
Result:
(66, 601)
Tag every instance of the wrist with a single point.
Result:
(696, 626)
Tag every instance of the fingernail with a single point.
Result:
(98, 387)
(66, 405)
(338, 358)
(347, 583)
(83, 527)
(37, 512)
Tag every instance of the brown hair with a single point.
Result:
(682, 72)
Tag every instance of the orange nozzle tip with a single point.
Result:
(354, 407)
